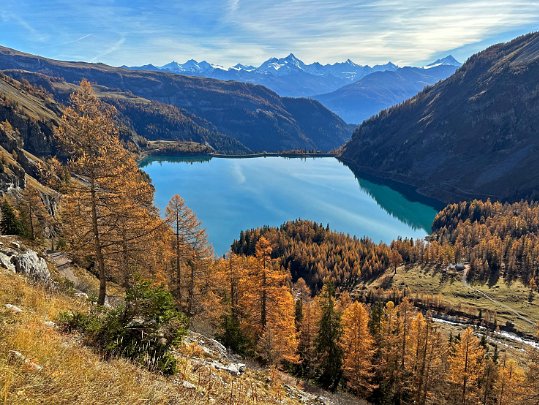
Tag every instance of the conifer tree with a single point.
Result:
(33, 212)
(10, 224)
(191, 248)
(509, 387)
(389, 362)
(357, 344)
(466, 366)
(327, 344)
(108, 205)
(308, 332)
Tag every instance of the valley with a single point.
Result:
(188, 233)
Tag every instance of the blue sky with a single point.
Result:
(135, 32)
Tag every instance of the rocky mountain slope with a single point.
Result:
(252, 115)
(378, 91)
(471, 135)
(27, 118)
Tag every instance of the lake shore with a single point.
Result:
(191, 149)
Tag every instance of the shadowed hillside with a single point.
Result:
(472, 135)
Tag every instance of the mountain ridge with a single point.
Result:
(304, 79)
(251, 114)
(377, 91)
(470, 135)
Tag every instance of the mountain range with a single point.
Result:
(287, 76)
(230, 117)
(354, 92)
(473, 135)
(380, 90)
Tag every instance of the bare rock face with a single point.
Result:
(31, 265)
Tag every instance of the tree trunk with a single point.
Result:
(98, 248)
(178, 266)
(125, 259)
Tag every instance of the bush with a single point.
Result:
(145, 329)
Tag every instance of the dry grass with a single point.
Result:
(72, 373)
(451, 291)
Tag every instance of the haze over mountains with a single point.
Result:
(352, 91)
(474, 134)
(380, 90)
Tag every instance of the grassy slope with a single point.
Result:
(452, 291)
(74, 373)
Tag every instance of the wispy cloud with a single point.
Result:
(114, 47)
(76, 40)
(231, 31)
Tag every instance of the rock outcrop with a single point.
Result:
(32, 266)
(16, 258)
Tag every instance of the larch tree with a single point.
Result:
(278, 341)
(509, 387)
(308, 332)
(107, 194)
(271, 308)
(230, 286)
(357, 345)
(532, 376)
(191, 249)
(388, 370)
(466, 366)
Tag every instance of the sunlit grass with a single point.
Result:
(72, 373)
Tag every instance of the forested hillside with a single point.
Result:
(472, 135)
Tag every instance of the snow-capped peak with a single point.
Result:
(449, 60)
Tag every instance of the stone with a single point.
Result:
(82, 295)
(5, 261)
(19, 357)
(31, 265)
(15, 245)
(233, 368)
(50, 324)
(188, 385)
(13, 308)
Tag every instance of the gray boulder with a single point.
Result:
(32, 266)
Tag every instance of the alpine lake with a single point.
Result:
(229, 195)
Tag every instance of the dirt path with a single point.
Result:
(64, 265)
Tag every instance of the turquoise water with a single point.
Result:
(229, 195)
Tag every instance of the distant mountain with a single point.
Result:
(287, 76)
(379, 90)
(447, 61)
(475, 134)
(253, 117)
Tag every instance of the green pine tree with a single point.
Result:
(10, 223)
(327, 344)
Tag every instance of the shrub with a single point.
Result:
(144, 330)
